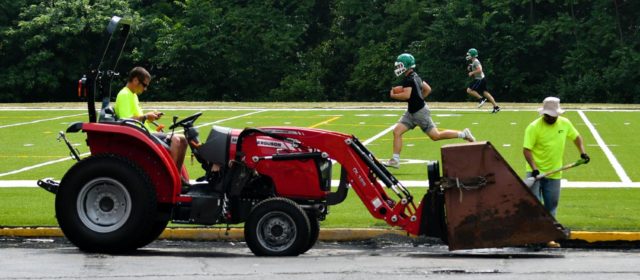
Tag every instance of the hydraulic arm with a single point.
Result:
(479, 201)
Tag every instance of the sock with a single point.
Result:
(396, 157)
(461, 134)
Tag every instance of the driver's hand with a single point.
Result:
(152, 116)
(158, 114)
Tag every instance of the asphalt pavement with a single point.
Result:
(577, 239)
(381, 257)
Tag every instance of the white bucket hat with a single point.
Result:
(551, 107)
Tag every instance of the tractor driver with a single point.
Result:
(128, 107)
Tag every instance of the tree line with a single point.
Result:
(327, 50)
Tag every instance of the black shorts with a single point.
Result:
(479, 86)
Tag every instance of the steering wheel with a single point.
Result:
(186, 121)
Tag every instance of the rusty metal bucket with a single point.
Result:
(487, 205)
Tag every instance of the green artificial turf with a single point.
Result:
(32, 142)
(600, 209)
(26, 207)
(593, 209)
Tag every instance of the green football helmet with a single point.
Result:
(403, 62)
(472, 53)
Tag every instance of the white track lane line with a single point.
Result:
(612, 159)
(68, 158)
(37, 121)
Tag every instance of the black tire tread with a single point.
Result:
(265, 207)
(129, 236)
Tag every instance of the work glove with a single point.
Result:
(535, 173)
(585, 157)
(532, 179)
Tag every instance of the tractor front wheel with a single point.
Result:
(277, 227)
(314, 231)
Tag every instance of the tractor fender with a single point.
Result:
(138, 146)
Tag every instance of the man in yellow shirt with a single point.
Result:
(128, 107)
(544, 142)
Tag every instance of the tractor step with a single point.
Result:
(205, 206)
(49, 185)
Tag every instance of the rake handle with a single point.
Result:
(568, 166)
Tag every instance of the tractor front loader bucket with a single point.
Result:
(487, 205)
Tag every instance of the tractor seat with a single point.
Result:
(107, 114)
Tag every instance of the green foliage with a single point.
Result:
(337, 50)
(49, 45)
(301, 85)
(225, 50)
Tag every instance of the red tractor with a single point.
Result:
(277, 181)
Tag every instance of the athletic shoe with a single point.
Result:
(553, 244)
(391, 163)
(495, 110)
(481, 102)
(468, 136)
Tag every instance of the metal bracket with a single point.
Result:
(74, 152)
(49, 185)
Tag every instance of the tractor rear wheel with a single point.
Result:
(277, 227)
(160, 224)
(106, 204)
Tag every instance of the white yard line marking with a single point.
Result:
(68, 158)
(374, 138)
(39, 165)
(18, 183)
(37, 121)
(612, 159)
(232, 118)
